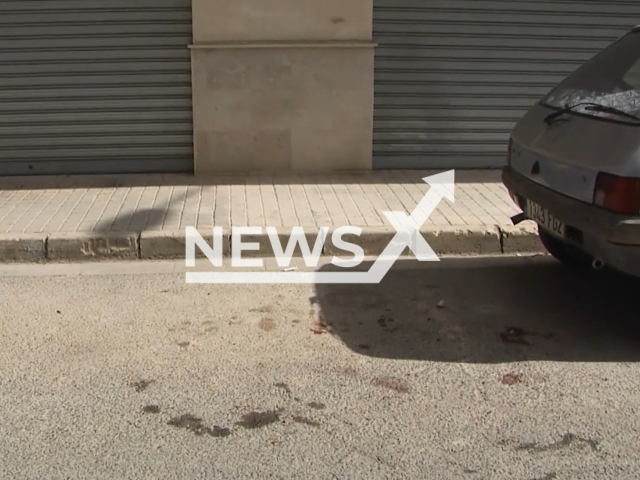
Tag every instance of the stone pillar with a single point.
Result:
(282, 85)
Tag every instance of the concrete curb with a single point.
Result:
(94, 246)
(165, 245)
(23, 248)
(522, 238)
(465, 240)
(168, 245)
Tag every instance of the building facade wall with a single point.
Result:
(282, 86)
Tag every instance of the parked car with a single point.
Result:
(573, 162)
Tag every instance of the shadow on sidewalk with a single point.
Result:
(487, 311)
(149, 180)
(148, 219)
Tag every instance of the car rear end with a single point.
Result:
(578, 175)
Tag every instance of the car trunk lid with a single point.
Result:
(568, 155)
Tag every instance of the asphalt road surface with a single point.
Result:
(465, 369)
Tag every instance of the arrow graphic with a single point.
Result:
(408, 235)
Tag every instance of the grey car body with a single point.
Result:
(574, 161)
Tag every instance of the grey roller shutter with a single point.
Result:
(452, 77)
(93, 86)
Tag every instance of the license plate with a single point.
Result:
(545, 219)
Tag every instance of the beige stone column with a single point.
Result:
(282, 85)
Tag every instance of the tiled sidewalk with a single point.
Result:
(172, 202)
(144, 216)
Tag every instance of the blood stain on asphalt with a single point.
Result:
(305, 421)
(194, 424)
(253, 420)
(391, 383)
(142, 385)
(267, 324)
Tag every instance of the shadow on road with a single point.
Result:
(487, 311)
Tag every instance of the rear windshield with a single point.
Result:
(612, 78)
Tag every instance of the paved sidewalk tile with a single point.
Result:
(171, 202)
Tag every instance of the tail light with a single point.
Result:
(617, 194)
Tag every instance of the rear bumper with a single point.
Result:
(579, 217)
(614, 239)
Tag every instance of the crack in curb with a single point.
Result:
(138, 250)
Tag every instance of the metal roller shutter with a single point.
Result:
(93, 86)
(454, 76)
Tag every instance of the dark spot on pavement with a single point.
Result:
(350, 371)
(337, 20)
(384, 322)
(151, 409)
(283, 386)
(263, 309)
(267, 324)
(210, 329)
(259, 419)
(316, 405)
(567, 440)
(194, 424)
(515, 335)
(364, 346)
(305, 421)
(391, 383)
(142, 385)
(296, 321)
(467, 470)
(511, 379)
(183, 344)
(319, 327)
(58, 312)
(187, 421)
(220, 432)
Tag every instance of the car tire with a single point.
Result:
(563, 252)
